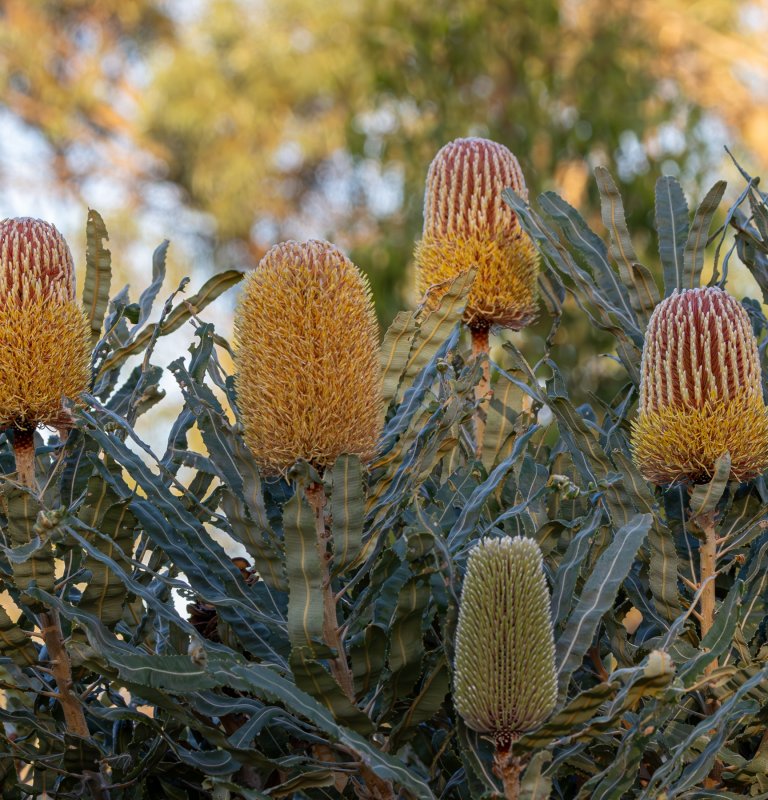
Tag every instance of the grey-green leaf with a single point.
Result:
(597, 596)
(348, 511)
(697, 238)
(303, 570)
(672, 227)
(705, 498)
(98, 273)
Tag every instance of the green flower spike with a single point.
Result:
(504, 672)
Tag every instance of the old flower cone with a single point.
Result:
(701, 391)
(468, 225)
(309, 380)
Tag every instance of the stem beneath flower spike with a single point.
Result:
(509, 768)
(480, 346)
(24, 450)
(707, 570)
(50, 626)
(315, 494)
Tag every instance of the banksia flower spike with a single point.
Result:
(701, 391)
(44, 337)
(467, 224)
(309, 380)
(505, 681)
(45, 349)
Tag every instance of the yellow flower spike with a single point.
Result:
(309, 380)
(467, 224)
(45, 343)
(701, 391)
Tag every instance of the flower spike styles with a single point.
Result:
(45, 343)
(309, 379)
(467, 224)
(701, 392)
(505, 681)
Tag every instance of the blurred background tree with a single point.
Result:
(251, 121)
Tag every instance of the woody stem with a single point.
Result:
(480, 345)
(50, 625)
(24, 450)
(508, 768)
(707, 569)
(340, 670)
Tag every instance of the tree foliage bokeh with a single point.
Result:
(285, 119)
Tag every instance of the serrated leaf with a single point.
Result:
(259, 680)
(367, 654)
(757, 204)
(267, 554)
(208, 292)
(347, 511)
(569, 719)
(589, 244)
(564, 581)
(619, 777)
(663, 570)
(637, 280)
(647, 292)
(312, 678)
(705, 498)
(98, 274)
(406, 646)
(14, 643)
(697, 238)
(103, 510)
(429, 700)
(501, 412)
(436, 325)
(395, 351)
(672, 228)
(412, 401)
(534, 785)
(304, 573)
(588, 456)
(473, 508)
(597, 596)
(180, 535)
(719, 637)
(149, 295)
(33, 561)
(673, 775)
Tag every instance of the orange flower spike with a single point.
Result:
(45, 343)
(701, 392)
(468, 224)
(309, 379)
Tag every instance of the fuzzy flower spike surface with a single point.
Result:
(45, 341)
(504, 674)
(701, 391)
(309, 380)
(467, 224)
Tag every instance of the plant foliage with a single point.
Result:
(201, 676)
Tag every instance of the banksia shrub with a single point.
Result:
(701, 391)
(467, 224)
(309, 380)
(505, 681)
(44, 337)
